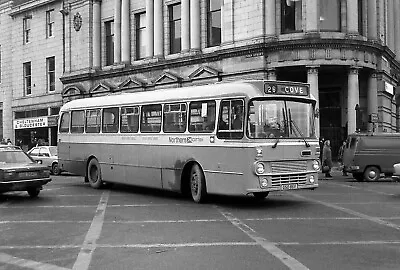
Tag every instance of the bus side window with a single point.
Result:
(175, 117)
(130, 119)
(230, 123)
(110, 120)
(151, 119)
(93, 121)
(64, 123)
(77, 121)
(202, 116)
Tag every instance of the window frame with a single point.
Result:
(211, 41)
(229, 132)
(204, 128)
(109, 42)
(26, 22)
(51, 74)
(182, 113)
(140, 31)
(338, 27)
(175, 24)
(77, 128)
(146, 127)
(93, 128)
(49, 23)
(134, 114)
(296, 24)
(110, 127)
(62, 128)
(27, 73)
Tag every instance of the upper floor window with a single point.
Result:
(214, 22)
(49, 23)
(140, 35)
(27, 29)
(329, 15)
(109, 30)
(175, 28)
(291, 16)
(51, 73)
(360, 7)
(27, 78)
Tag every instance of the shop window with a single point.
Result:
(110, 120)
(202, 116)
(151, 119)
(175, 117)
(77, 121)
(130, 119)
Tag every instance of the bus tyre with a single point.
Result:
(372, 173)
(55, 169)
(198, 187)
(33, 192)
(94, 174)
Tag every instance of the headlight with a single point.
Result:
(312, 179)
(9, 175)
(260, 168)
(316, 165)
(259, 152)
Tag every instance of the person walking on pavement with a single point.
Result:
(327, 158)
(340, 157)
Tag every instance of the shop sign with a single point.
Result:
(389, 88)
(31, 123)
(52, 121)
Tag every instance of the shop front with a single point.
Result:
(34, 131)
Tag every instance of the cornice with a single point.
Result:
(29, 5)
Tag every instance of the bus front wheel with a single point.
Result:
(372, 173)
(94, 174)
(197, 184)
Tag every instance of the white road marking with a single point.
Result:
(23, 263)
(351, 212)
(285, 258)
(364, 189)
(89, 244)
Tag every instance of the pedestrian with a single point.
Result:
(321, 146)
(340, 157)
(9, 141)
(327, 158)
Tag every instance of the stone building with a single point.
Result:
(347, 50)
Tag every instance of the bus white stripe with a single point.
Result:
(285, 258)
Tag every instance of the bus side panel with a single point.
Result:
(148, 172)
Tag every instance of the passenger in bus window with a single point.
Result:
(237, 119)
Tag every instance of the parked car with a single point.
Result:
(396, 172)
(19, 172)
(368, 155)
(46, 155)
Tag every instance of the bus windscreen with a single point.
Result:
(280, 119)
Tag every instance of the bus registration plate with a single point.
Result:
(288, 186)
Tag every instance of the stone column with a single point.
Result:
(270, 18)
(185, 13)
(195, 25)
(150, 28)
(372, 20)
(352, 17)
(117, 31)
(391, 25)
(96, 34)
(158, 28)
(397, 30)
(312, 16)
(353, 98)
(125, 32)
(372, 97)
(312, 79)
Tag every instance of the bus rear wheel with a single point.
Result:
(198, 188)
(94, 174)
(372, 173)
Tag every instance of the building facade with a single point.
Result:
(347, 50)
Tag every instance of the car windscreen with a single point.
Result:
(14, 157)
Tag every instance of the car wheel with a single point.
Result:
(358, 176)
(372, 173)
(55, 169)
(33, 192)
(197, 184)
(94, 174)
(260, 195)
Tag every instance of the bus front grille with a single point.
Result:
(278, 180)
(289, 166)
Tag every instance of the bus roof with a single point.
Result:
(251, 88)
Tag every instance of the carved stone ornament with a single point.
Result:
(77, 21)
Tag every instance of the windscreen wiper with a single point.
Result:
(285, 125)
(297, 129)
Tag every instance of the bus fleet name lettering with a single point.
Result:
(185, 139)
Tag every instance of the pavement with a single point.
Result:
(336, 173)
